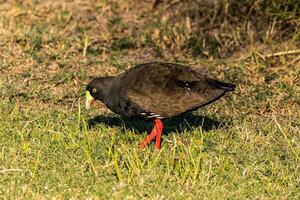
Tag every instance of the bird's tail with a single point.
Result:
(224, 86)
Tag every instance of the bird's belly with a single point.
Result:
(125, 108)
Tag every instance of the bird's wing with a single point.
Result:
(167, 90)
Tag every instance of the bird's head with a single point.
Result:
(97, 89)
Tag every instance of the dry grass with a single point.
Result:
(51, 49)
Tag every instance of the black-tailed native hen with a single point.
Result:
(155, 91)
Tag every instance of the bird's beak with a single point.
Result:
(89, 101)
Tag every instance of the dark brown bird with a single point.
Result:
(155, 91)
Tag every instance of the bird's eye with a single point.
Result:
(94, 90)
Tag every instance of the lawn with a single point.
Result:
(244, 146)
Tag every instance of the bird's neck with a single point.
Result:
(108, 90)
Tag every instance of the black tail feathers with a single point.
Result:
(224, 86)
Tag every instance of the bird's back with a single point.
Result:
(159, 90)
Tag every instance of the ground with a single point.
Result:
(244, 146)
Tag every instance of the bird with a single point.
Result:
(155, 91)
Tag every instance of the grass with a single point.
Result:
(245, 146)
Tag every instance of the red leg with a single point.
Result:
(156, 131)
(148, 138)
(159, 128)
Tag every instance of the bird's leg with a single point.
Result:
(157, 129)
(148, 138)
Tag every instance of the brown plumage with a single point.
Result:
(157, 90)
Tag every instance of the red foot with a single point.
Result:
(156, 131)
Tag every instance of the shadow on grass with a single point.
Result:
(177, 124)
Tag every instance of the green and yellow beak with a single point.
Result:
(89, 101)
